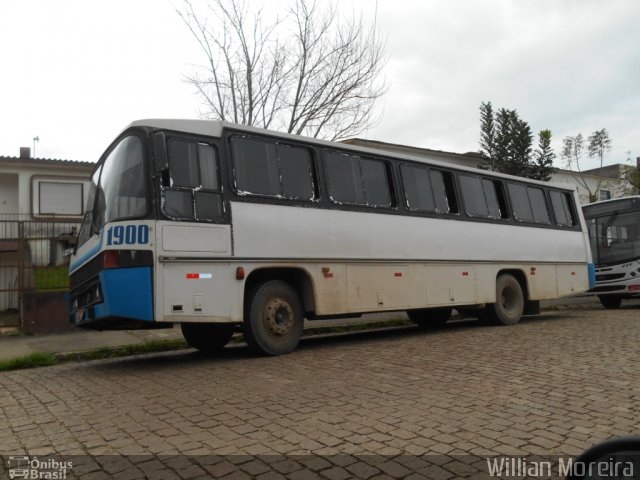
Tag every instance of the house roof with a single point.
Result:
(613, 171)
(44, 162)
(470, 157)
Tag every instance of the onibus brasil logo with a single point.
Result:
(21, 466)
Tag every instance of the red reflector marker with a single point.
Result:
(633, 288)
(465, 274)
(397, 274)
(193, 275)
(240, 273)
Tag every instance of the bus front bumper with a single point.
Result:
(116, 299)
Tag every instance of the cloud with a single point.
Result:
(570, 67)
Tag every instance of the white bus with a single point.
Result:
(614, 231)
(222, 228)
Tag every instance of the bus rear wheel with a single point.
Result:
(509, 302)
(273, 318)
(207, 337)
(610, 301)
(430, 317)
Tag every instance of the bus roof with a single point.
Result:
(607, 207)
(214, 128)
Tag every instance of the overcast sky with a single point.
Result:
(74, 73)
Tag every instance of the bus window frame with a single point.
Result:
(159, 178)
(244, 195)
(390, 177)
(429, 168)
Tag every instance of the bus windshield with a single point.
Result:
(615, 237)
(118, 189)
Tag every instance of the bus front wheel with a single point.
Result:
(610, 301)
(430, 317)
(273, 318)
(207, 337)
(509, 302)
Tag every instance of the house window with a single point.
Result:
(60, 198)
(605, 194)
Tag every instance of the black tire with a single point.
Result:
(273, 318)
(207, 337)
(509, 302)
(610, 301)
(430, 317)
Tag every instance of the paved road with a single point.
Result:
(554, 384)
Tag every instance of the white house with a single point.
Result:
(40, 200)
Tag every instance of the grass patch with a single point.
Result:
(356, 327)
(35, 359)
(51, 278)
(41, 359)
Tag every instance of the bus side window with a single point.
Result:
(560, 203)
(256, 166)
(417, 187)
(426, 189)
(359, 181)
(276, 170)
(480, 198)
(345, 179)
(375, 179)
(520, 202)
(538, 205)
(529, 204)
(193, 191)
(296, 172)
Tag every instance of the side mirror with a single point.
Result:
(160, 157)
(618, 458)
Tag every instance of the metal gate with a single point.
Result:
(34, 256)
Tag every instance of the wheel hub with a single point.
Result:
(508, 299)
(278, 317)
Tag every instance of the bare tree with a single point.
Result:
(598, 146)
(309, 72)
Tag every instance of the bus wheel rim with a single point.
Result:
(278, 317)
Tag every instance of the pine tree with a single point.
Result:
(505, 144)
(542, 168)
(487, 134)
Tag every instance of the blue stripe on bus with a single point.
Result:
(592, 276)
(127, 292)
(78, 262)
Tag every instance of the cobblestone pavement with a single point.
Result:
(555, 384)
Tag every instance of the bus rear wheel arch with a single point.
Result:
(510, 301)
(273, 318)
(208, 338)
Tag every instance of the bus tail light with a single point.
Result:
(111, 259)
(127, 258)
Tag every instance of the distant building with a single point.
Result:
(43, 188)
(612, 183)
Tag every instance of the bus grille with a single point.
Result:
(610, 288)
(86, 273)
(605, 277)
